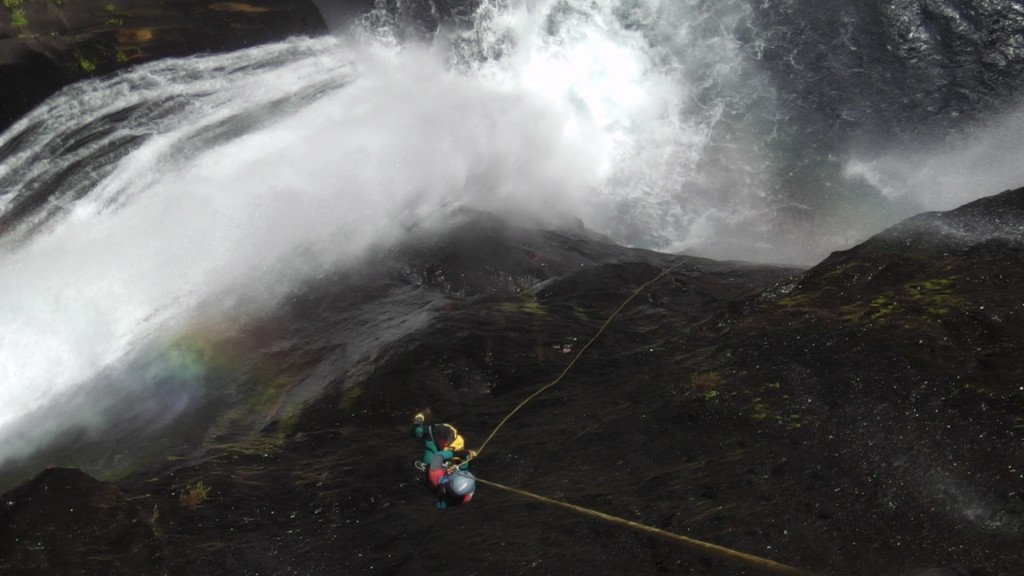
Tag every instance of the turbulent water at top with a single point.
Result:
(212, 186)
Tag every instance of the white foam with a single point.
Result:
(252, 172)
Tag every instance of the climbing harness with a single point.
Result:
(749, 559)
(452, 464)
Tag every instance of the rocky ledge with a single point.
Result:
(863, 417)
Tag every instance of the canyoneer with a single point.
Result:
(445, 461)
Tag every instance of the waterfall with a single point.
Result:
(213, 186)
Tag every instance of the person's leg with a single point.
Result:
(429, 449)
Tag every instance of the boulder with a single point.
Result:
(67, 522)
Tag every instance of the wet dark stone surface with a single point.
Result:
(47, 45)
(863, 417)
(66, 522)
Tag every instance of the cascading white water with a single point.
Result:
(221, 183)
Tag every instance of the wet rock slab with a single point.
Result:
(863, 417)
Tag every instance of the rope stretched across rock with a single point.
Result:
(764, 564)
(565, 371)
(749, 559)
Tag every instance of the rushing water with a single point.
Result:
(760, 130)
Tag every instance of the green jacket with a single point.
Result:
(438, 439)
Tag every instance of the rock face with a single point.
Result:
(421, 19)
(47, 44)
(66, 522)
(863, 417)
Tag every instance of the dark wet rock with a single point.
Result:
(420, 20)
(953, 570)
(45, 45)
(988, 224)
(863, 417)
(901, 66)
(66, 522)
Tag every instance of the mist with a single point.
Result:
(207, 189)
(980, 161)
(231, 213)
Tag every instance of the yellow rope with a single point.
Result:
(748, 559)
(578, 354)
